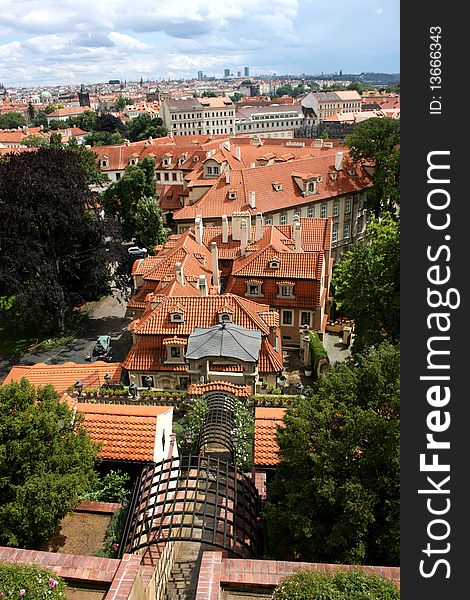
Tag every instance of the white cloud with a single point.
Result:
(59, 40)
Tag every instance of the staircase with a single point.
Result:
(182, 583)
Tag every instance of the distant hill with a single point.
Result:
(378, 80)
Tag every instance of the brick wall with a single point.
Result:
(217, 571)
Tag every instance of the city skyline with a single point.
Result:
(52, 43)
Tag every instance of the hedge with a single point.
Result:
(28, 581)
(353, 585)
(317, 351)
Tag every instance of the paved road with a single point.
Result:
(108, 317)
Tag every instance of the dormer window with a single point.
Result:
(232, 194)
(166, 160)
(133, 161)
(274, 264)
(195, 159)
(277, 186)
(310, 187)
(333, 175)
(105, 161)
(351, 172)
(225, 317)
(176, 317)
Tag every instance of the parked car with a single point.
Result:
(103, 346)
(136, 252)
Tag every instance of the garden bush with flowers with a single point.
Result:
(353, 585)
(28, 581)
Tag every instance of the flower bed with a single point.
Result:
(27, 581)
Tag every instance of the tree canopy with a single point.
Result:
(12, 120)
(121, 198)
(375, 142)
(148, 223)
(52, 254)
(335, 496)
(367, 283)
(46, 462)
(144, 126)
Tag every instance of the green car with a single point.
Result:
(102, 346)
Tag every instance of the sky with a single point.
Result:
(52, 42)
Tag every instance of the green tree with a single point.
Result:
(31, 112)
(46, 462)
(85, 120)
(367, 284)
(335, 495)
(375, 142)
(34, 141)
(122, 102)
(52, 252)
(122, 196)
(109, 123)
(12, 120)
(55, 140)
(148, 223)
(144, 126)
(40, 119)
(103, 138)
(51, 108)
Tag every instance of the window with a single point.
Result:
(268, 221)
(118, 176)
(216, 170)
(283, 219)
(346, 231)
(209, 170)
(286, 291)
(305, 318)
(175, 351)
(310, 187)
(274, 264)
(287, 318)
(225, 317)
(311, 212)
(254, 289)
(166, 176)
(347, 205)
(335, 208)
(177, 317)
(334, 235)
(323, 211)
(297, 213)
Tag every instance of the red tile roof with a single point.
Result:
(65, 375)
(266, 449)
(215, 202)
(128, 431)
(241, 391)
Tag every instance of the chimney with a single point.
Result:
(127, 142)
(252, 199)
(243, 237)
(238, 153)
(179, 273)
(203, 285)
(297, 235)
(227, 174)
(259, 226)
(224, 229)
(339, 161)
(199, 229)
(237, 218)
(215, 266)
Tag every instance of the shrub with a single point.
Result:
(353, 585)
(317, 351)
(29, 581)
(113, 535)
(113, 487)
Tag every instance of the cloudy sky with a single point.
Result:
(87, 41)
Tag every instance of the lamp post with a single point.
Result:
(78, 385)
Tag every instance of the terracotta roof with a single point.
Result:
(266, 449)
(128, 431)
(65, 375)
(201, 311)
(241, 391)
(215, 202)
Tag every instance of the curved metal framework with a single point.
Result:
(219, 423)
(195, 498)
